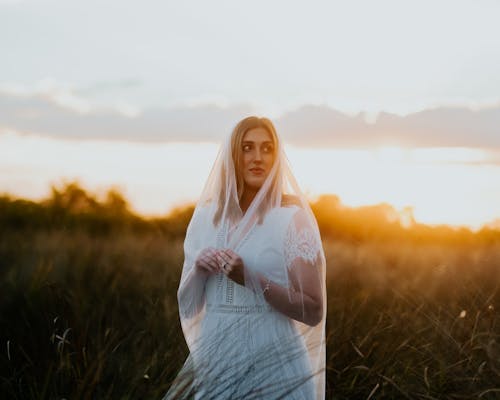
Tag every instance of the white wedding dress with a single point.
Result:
(247, 349)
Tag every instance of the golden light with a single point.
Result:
(437, 186)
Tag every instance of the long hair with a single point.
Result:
(242, 127)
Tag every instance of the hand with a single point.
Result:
(206, 262)
(232, 265)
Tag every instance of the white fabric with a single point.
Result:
(241, 347)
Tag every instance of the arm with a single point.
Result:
(191, 292)
(303, 301)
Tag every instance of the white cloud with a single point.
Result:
(66, 96)
(51, 110)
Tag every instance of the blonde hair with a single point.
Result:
(237, 135)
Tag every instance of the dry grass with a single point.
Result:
(409, 321)
(86, 317)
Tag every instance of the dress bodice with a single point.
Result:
(243, 346)
(262, 250)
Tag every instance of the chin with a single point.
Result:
(254, 184)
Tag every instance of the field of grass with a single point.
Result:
(91, 313)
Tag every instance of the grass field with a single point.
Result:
(88, 315)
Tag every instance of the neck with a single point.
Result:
(246, 199)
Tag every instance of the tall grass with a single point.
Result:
(88, 317)
(91, 313)
(96, 317)
(414, 321)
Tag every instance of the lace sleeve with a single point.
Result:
(301, 240)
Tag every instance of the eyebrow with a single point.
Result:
(250, 141)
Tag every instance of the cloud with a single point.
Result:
(57, 112)
(73, 98)
(40, 114)
(439, 127)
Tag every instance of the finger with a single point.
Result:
(235, 259)
(221, 260)
(215, 265)
(225, 252)
(226, 255)
(225, 265)
(231, 254)
(211, 264)
(203, 266)
(214, 268)
(212, 257)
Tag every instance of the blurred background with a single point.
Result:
(112, 113)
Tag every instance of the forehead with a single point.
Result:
(257, 135)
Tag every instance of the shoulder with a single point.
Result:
(281, 216)
(289, 200)
(290, 206)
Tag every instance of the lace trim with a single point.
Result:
(229, 291)
(301, 244)
(230, 283)
(239, 309)
(229, 287)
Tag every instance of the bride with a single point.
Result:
(252, 296)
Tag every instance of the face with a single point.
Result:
(258, 157)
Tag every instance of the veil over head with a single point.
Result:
(219, 222)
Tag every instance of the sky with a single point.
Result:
(395, 56)
(151, 84)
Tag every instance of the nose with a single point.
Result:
(258, 156)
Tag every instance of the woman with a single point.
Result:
(252, 297)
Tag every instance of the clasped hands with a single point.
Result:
(211, 261)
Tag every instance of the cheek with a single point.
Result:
(244, 164)
(245, 159)
(269, 159)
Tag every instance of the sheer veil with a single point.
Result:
(218, 221)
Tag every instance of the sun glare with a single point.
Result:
(456, 186)
(436, 186)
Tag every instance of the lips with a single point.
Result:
(257, 171)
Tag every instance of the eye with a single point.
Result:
(268, 148)
(246, 147)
